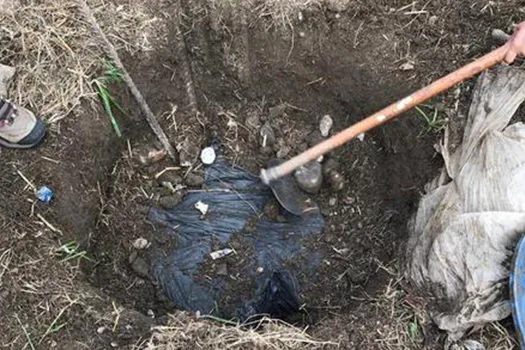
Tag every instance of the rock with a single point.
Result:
(277, 111)
(309, 177)
(336, 180)
(171, 177)
(266, 151)
(283, 151)
(6, 72)
(140, 243)
(266, 135)
(140, 267)
(337, 5)
(302, 147)
(188, 153)
(314, 138)
(253, 122)
(222, 270)
(330, 165)
(132, 257)
(194, 180)
(432, 20)
(170, 202)
(325, 125)
(151, 156)
(407, 66)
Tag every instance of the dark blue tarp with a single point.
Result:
(235, 198)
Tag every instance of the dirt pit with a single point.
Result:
(235, 74)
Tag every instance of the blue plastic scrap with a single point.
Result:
(517, 290)
(278, 261)
(45, 194)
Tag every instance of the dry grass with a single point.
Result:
(55, 54)
(187, 333)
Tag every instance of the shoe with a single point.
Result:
(19, 128)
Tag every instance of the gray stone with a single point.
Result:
(330, 165)
(277, 111)
(336, 180)
(170, 202)
(222, 270)
(309, 177)
(170, 176)
(194, 180)
(314, 138)
(283, 151)
(266, 135)
(140, 267)
(6, 72)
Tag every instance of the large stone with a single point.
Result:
(309, 177)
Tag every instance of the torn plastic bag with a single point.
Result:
(466, 227)
(274, 260)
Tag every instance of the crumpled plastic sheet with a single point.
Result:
(235, 197)
(464, 233)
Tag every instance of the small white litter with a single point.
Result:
(202, 207)
(208, 156)
(221, 253)
(361, 137)
(141, 243)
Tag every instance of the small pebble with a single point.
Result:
(170, 202)
(253, 122)
(101, 330)
(337, 15)
(266, 135)
(140, 267)
(302, 34)
(222, 270)
(132, 257)
(266, 151)
(332, 201)
(330, 165)
(314, 138)
(114, 344)
(169, 176)
(140, 243)
(283, 151)
(277, 111)
(150, 313)
(325, 125)
(336, 180)
(194, 180)
(361, 137)
(302, 147)
(208, 156)
(260, 269)
(309, 177)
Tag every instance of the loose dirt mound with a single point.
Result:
(308, 59)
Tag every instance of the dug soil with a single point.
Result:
(343, 64)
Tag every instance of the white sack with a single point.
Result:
(466, 227)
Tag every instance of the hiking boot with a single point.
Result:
(19, 128)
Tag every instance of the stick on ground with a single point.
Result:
(112, 53)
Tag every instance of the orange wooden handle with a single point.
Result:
(386, 114)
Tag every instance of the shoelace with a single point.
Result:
(7, 113)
